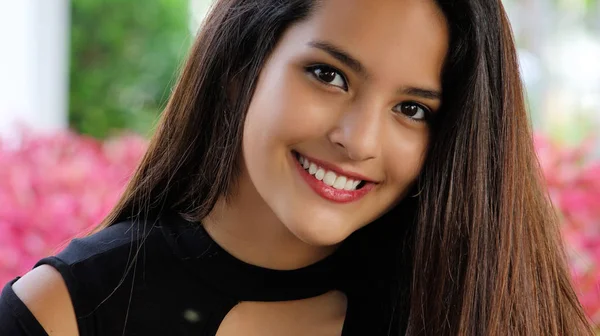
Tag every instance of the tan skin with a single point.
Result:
(368, 121)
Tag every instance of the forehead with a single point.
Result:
(388, 36)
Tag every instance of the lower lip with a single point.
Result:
(331, 193)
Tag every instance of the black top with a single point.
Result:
(170, 278)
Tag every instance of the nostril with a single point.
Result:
(339, 144)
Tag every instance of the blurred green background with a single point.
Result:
(125, 54)
(123, 60)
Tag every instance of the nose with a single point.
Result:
(358, 133)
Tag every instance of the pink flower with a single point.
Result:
(573, 180)
(55, 187)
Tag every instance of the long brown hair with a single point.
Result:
(484, 250)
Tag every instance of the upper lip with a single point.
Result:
(337, 170)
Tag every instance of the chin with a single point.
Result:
(319, 232)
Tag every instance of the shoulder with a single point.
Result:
(79, 278)
(45, 294)
(94, 266)
(106, 242)
(91, 264)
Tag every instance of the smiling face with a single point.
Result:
(338, 126)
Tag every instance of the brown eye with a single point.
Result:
(413, 110)
(329, 76)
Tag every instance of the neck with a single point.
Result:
(246, 227)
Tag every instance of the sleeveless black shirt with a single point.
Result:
(168, 277)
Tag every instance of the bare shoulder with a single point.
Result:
(45, 293)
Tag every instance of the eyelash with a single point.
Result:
(426, 111)
(312, 70)
(327, 69)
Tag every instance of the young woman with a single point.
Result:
(353, 167)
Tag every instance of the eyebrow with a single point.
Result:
(340, 55)
(354, 64)
(420, 92)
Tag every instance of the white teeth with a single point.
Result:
(328, 177)
(320, 174)
(340, 182)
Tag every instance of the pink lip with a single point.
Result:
(331, 193)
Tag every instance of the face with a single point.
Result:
(338, 127)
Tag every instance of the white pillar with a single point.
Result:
(34, 44)
(198, 10)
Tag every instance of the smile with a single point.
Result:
(330, 184)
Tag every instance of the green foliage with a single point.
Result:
(124, 58)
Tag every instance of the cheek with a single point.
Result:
(404, 156)
(287, 107)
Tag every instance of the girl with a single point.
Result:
(353, 167)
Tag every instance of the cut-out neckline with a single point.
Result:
(243, 282)
(312, 316)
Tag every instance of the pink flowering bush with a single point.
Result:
(573, 180)
(55, 187)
